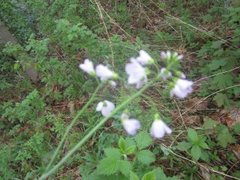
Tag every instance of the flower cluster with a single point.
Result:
(137, 71)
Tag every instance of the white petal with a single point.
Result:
(131, 126)
(182, 88)
(99, 106)
(108, 107)
(136, 73)
(165, 74)
(159, 128)
(113, 84)
(87, 66)
(104, 73)
(144, 58)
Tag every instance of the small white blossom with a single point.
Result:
(104, 73)
(182, 88)
(87, 66)
(106, 107)
(113, 84)
(130, 125)
(159, 129)
(168, 55)
(183, 76)
(144, 58)
(165, 74)
(136, 73)
(165, 55)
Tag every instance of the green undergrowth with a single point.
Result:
(54, 37)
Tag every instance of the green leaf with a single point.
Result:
(222, 81)
(149, 176)
(146, 157)
(122, 144)
(184, 146)
(221, 100)
(192, 135)
(133, 176)
(124, 167)
(210, 124)
(143, 140)
(203, 145)
(161, 175)
(130, 150)
(113, 153)
(107, 166)
(217, 63)
(196, 152)
(236, 128)
(224, 137)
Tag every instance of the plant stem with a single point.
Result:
(85, 138)
(71, 125)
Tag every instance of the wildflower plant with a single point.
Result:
(140, 76)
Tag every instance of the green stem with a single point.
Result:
(85, 138)
(71, 125)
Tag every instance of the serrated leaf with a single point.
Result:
(133, 176)
(223, 80)
(203, 145)
(145, 157)
(161, 175)
(143, 140)
(215, 64)
(236, 128)
(107, 166)
(122, 144)
(196, 152)
(221, 100)
(192, 135)
(184, 146)
(130, 150)
(113, 153)
(210, 124)
(124, 167)
(149, 176)
(224, 137)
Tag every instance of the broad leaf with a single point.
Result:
(224, 137)
(192, 135)
(184, 146)
(146, 157)
(113, 153)
(221, 100)
(196, 152)
(107, 166)
(133, 176)
(149, 176)
(143, 140)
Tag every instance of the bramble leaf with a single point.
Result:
(146, 157)
(143, 140)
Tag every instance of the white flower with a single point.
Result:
(113, 84)
(106, 107)
(165, 55)
(165, 74)
(87, 66)
(159, 128)
(168, 55)
(136, 73)
(183, 76)
(144, 58)
(130, 125)
(182, 88)
(104, 73)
